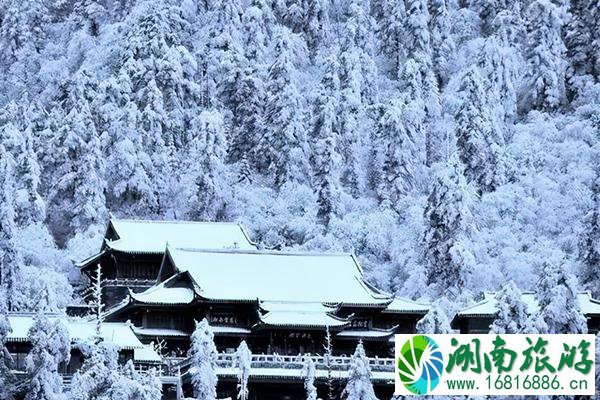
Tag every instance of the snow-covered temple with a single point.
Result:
(81, 332)
(161, 277)
(478, 317)
(132, 250)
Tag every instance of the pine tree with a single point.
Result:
(589, 252)
(512, 314)
(480, 140)
(129, 187)
(418, 40)
(392, 33)
(222, 55)
(442, 41)
(545, 51)
(243, 359)
(50, 346)
(325, 143)
(282, 149)
(98, 374)
(358, 90)
(447, 216)
(499, 65)
(11, 261)
(203, 355)
(359, 386)
(557, 296)
(89, 15)
(248, 123)
(308, 373)
(580, 33)
(208, 154)
(23, 29)
(397, 152)
(79, 189)
(435, 321)
(31, 208)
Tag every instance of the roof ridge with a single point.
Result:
(174, 221)
(262, 252)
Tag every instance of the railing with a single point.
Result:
(339, 363)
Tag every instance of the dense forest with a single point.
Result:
(452, 145)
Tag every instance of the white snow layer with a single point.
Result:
(153, 236)
(487, 307)
(277, 276)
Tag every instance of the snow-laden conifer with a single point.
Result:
(203, 356)
(359, 385)
(243, 360)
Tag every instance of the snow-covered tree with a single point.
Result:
(207, 167)
(557, 295)
(442, 41)
(11, 260)
(203, 355)
(131, 385)
(435, 321)
(359, 385)
(545, 55)
(129, 188)
(581, 38)
(498, 65)
(325, 138)
(590, 243)
(479, 137)
(399, 156)
(392, 35)
(98, 373)
(309, 373)
(243, 359)
(447, 256)
(418, 39)
(50, 346)
(512, 313)
(78, 192)
(282, 149)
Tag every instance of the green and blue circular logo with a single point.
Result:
(420, 364)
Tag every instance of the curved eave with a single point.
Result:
(263, 326)
(83, 264)
(407, 312)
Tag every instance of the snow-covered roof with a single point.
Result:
(119, 333)
(250, 275)
(136, 236)
(161, 294)
(229, 330)
(159, 332)
(401, 306)
(146, 354)
(487, 307)
(367, 334)
(299, 314)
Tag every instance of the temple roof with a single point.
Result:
(405, 306)
(164, 295)
(151, 237)
(80, 330)
(487, 307)
(367, 334)
(301, 315)
(251, 275)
